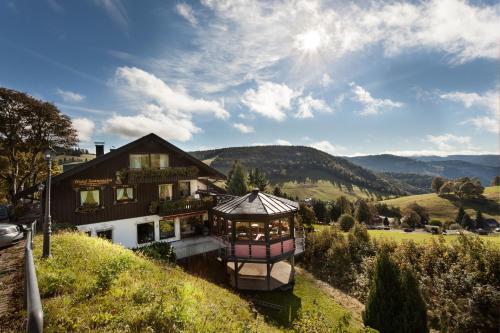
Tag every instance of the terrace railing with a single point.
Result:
(32, 301)
(183, 206)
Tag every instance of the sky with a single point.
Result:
(349, 78)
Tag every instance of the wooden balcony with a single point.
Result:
(175, 207)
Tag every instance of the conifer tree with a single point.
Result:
(237, 183)
(460, 215)
(480, 223)
(413, 307)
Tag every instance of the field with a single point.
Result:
(445, 208)
(322, 190)
(90, 284)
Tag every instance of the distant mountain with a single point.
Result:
(409, 182)
(431, 166)
(299, 163)
(488, 160)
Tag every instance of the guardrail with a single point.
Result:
(32, 301)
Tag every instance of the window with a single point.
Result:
(188, 225)
(165, 192)
(229, 229)
(125, 194)
(274, 229)
(159, 161)
(167, 229)
(106, 234)
(145, 232)
(89, 198)
(184, 189)
(285, 228)
(139, 161)
(258, 233)
(242, 231)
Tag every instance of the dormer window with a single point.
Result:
(146, 161)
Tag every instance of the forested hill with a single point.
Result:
(298, 163)
(447, 167)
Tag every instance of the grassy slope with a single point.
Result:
(446, 208)
(90, 284)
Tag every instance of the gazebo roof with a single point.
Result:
(257, 203)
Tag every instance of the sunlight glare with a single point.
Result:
(309, 41)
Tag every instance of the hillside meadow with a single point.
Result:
(90, 284)
(444, 208)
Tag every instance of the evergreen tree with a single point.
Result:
(386, 221)
(346, 222)
(362, 211)
(320, 210)
(413, 307)
(334, 212)
(277, 192)
(237, 183)
(395, 303)
(307, 217)
(343, 205)
(467, 222)
(383, 310)
(258, 179)
(480, 222)
(495, 181)
(460, 215)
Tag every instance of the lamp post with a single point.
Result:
(47, 220)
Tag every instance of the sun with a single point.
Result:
(309, 41)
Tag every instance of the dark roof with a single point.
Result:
(98, 160)
(257, 203)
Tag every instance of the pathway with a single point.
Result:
(11, 287)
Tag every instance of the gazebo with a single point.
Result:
(258, 230)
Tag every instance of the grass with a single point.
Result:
(445, 208)
(308, 298)
(322, 190)
(420, 237)
(90, 284)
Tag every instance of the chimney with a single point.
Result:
(99, 148)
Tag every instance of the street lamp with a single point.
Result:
(47, 220)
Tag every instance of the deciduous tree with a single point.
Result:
(436, 184)
(27, 128)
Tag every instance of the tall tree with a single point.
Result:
(344, 205)
(320, 210)
(258, 179)
(334, 212)
(27, 128)
(307, 217)
(413, 307)
(277, 191)
(460, 215)
(436, 184)
(362, 211)
(467, 222)
(495, 181)
(237, 183)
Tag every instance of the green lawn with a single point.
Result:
(307, 297)
(399, 235)
(445, 208)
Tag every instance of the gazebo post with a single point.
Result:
(236, 269)
(268, 276)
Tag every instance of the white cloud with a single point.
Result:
(115, 9)
(84, 128)
(243, 128)
(326, 80)
(449, 141)
(247, 39)
(434, 152)
(488, 101)
(69, 96)
(282, 142)
(371, 105)
(187, 12)
(270, 100)
(162, 109)
(308, 104)
(327, 147)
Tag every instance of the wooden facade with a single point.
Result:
(103, 174)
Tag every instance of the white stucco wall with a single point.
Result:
(124, 231)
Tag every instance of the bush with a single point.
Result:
(346, 222)
(454, 226)
(159, 251)
(436, 223)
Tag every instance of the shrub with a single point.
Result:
(454, 226)
(159, 251)
(346, 222)
(436, 223)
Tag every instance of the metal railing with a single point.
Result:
(32, 301)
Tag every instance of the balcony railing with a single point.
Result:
(180, 206)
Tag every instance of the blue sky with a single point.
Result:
(360, 78)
